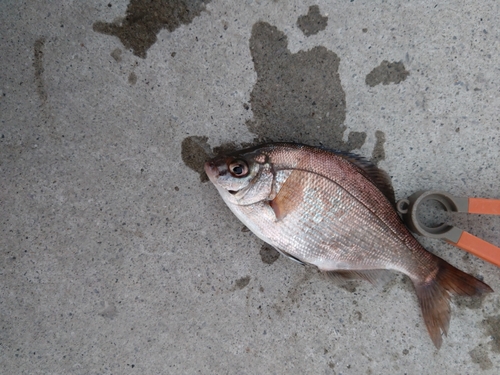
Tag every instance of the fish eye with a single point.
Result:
(238, 168)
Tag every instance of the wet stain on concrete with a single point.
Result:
(355, 317)
(229, 147)
(480, 356)
(297, 97)
(117, 54)
(195, 151)
(243, 282)
(492, 325)
(386, 73)
(109, 311)
(144, 19)
(268, 254)
(132, 78)
(295, 292)
(400, 281)
(313, 22)
(38, 65)
(472, 303)
(46, 113)
(378, 152)
(350, 286)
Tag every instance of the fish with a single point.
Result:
(336, 211)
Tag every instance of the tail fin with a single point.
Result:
(434, 296)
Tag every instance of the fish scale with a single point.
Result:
(335, 211)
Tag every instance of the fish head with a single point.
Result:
(242, 178)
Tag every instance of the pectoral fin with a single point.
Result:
(290, 195)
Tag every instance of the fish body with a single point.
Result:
(335, 211)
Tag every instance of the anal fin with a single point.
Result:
(373, 276)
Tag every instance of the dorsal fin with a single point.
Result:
(379, 177)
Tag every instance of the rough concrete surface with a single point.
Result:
(117, 257)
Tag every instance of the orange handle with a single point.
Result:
(484, 206)
(479, 248)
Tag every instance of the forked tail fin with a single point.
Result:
(434, 296)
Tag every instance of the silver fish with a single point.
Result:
(335, 211)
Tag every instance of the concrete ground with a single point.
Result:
(117, 257)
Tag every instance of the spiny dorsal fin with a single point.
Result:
(379, 177)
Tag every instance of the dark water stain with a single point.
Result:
(386, 73)
(116, 54)
(297, 97)
(492, 326)
(473, 303)
(38, 65)
(359, 315)
(480, 356)
(132, 78)
(229, 147)
(144, 19)
(399, 281)
(294, 293)
(109, 311)
(243, 282)
(378, 152)
(195, 151)
(313, 22)
(46, 115)
(268, 254)
(350, 286)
